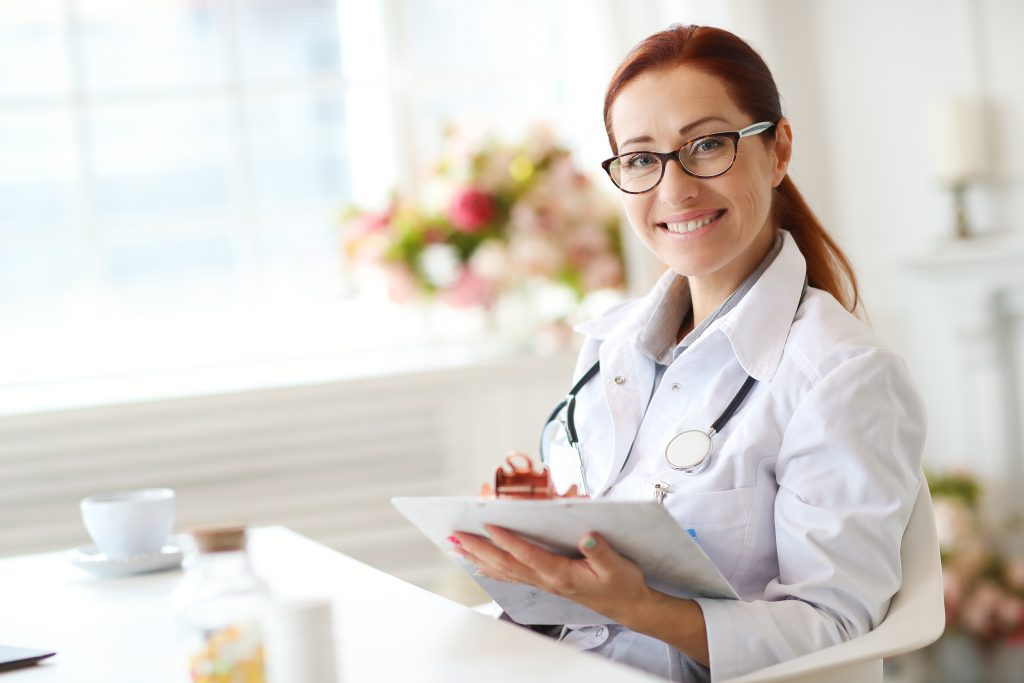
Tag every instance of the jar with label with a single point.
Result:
(221, 605)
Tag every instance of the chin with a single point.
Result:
(688, 267)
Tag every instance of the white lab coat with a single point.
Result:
(811, 482)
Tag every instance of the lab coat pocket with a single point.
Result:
(717, 520)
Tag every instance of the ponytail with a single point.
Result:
(828, 268)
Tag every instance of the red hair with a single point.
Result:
(750, 84)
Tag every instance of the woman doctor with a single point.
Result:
(802, 492)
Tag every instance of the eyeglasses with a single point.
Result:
(705, 157)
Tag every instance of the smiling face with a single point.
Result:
(712, 229)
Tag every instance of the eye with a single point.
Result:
(709, 146)
(639, 161)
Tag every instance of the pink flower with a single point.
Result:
(369, 223)
(980, 614)
(952, 594)
(363, 235)
(469, 290)
(402, 287)
(536, 256)
(1015, 573)
(1015, 637)
(602, 272)
(470, 210)
(1011, 613)
(433, 236)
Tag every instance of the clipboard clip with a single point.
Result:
(517, 478)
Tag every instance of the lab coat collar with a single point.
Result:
(757, 328)
(759, 325)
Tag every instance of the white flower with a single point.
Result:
(436, 194)
(535, 255)
(596, 303)
(490, 261)
(440, 264)
(554, 301)
(953, 521)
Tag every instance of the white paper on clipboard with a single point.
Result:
(643, 531)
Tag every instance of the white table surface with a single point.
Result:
(121, 630)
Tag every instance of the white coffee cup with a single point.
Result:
(126, 524)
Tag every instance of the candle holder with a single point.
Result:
(963, 229)
(958, 134)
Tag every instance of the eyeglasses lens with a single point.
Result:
(704, 157)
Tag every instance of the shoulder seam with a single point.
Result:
(801, 360)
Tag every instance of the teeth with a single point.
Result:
(690, 226)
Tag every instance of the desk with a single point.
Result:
(120, 630)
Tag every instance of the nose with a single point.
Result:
(677, 185)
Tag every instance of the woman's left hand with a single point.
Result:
(602, 579)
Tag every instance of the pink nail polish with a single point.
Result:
(454, 540)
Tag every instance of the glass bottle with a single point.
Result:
(221, 605)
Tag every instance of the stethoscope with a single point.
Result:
(688, 452)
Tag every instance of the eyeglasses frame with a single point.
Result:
(736, 135)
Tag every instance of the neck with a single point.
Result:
(685, 327)
(707, 292)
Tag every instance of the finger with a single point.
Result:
(602, 558)
(480, 546)
(478, 562)
(479, 567)
(493, 576)
(540, 560)
(468, 556)
(495, 559)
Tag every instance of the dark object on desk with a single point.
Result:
(517, 478)
(17, 657)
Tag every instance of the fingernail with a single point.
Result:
(454, 540)
(590, 543)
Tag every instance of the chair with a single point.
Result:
(916, 617)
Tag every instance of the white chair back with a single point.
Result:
(915, 619)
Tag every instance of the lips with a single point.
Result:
(690, 222)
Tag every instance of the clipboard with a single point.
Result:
(643, 531)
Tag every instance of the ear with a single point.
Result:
(782, 150)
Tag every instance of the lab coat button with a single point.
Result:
(675, 386)
(619, 379)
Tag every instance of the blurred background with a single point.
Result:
(293, 257)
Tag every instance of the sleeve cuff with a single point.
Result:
(722, 650)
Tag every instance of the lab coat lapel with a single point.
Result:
(627, 400)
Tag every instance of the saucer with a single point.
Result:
(89, 558)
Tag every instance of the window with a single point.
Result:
(168, 160)
(167, 155)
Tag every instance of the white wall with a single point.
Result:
(858, 81)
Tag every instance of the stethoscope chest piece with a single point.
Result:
(690, 451)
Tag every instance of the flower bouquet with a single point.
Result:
(494, 218)
(983, 588)
(983, 592)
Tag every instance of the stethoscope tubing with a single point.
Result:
(569, 404)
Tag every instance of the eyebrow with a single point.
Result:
(682, 131)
